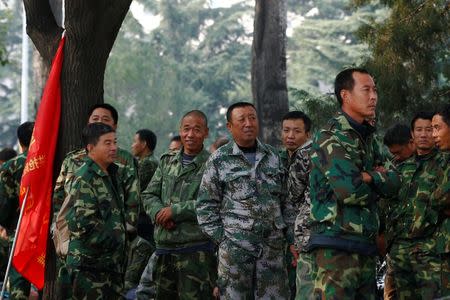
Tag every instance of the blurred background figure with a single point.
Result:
(218, 143)
(175, 143)
(7, 154)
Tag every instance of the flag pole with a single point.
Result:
(14, 244)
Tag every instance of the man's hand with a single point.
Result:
(3, 233)
(380, 169)
(164, 215)
(366, 177)
(294, 252)
(169, 225)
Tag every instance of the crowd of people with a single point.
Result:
(245, 220)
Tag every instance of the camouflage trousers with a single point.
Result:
(342, 275)
(92, 284)
(185, 275)
(244, 276)
(419, 275)
(146, 287)
(306, 273)
(140, 252)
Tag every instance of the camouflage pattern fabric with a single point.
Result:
(245, 205)
(344, 215)
(19, 286)
(417, 274)
(416, 264)
(146, 168)
(441, 202)
(180, 274)
(139, 254)
(306, 274)
(127, 177)
(146, 289)
(286, 160)
(143, 246)
(298, 194)
(342, 275)
(341, 203)
(10, 176)
(89, 284)
(176, 186)
(242, 275)
(97, 224)
(185, 276)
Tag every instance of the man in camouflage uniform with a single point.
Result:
(127, 179)
(401, 146)
(298, 195)
(142, 247)
(295, 135)
(185, 266)
(345, 182)
(10, 176)
(441, 196)
(412, 257)
(243, 208)
(96, 258)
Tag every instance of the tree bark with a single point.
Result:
(91, 29)
(269, 86)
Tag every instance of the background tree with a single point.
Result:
(409, 56)
(269, 87)
(91, 29)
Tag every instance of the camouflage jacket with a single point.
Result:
(176, 186)
(243, 202)
(440, 200)
(298, 193)
(146, 168)
(10, 176)
(96, 221)
(127, 178)
(343, 207)
(414, 218)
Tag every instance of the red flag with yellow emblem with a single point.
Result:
(31, 243)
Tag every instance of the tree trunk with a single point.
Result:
(269, 86)
(91, 29)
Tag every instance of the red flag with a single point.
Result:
(31, 244)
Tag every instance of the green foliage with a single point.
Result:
(325, 43)
(409, 56)
(195, 59)
(10, 54)
(318, 108)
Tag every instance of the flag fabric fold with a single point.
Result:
(31, 244)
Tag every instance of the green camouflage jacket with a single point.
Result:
(441, 203)
(10, 176)
(127, 178)
(242, 202)
(414, 217)
(98, 237)
(343, 207)
(176, 186)
(146, 168)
